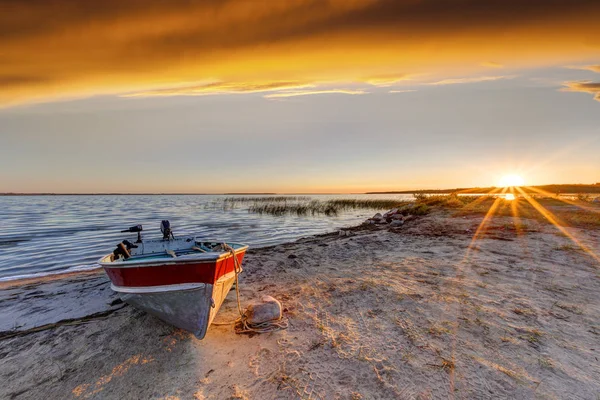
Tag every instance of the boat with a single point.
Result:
(181, 280)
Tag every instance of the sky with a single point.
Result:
(300, 96)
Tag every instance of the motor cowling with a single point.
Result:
(165, 228)
(122, 250)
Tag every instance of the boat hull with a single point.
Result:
(184, 292)
(172, 273)
(191, 308)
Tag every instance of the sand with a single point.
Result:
(381, 314)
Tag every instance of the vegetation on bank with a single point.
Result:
(265, 199)
(323, 207)
(552, 189)
(420, 206)
(581, 212)
(572, 213)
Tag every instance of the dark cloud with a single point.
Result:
(584, 87)
(17, 80)
(91, 46)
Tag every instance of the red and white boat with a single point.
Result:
(182, 280)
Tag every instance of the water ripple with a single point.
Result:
(49, 234)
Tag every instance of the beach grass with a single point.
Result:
(265, 199)
(574, 214)
(323, 207)
(420, 206)
(577, 213)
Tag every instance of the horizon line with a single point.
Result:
(407, 191)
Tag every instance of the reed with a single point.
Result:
(313, 207)
(421, 205)
(323, 207)
(375, 204)
(265, 199)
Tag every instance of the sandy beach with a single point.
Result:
(414, 312)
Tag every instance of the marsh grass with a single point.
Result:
(565, 214)
(446, 201)
(422, 205)
(313, 207)
(322, 207)
(265, 199)
(374, 204)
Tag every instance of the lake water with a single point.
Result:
(48, 234)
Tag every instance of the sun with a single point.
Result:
(511, 180)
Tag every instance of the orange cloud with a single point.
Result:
(387, 80)
(60, 48)
(313, 92)
(584, 87)
(220, 88)
(492, 64)
(470, 80)
(594, 68)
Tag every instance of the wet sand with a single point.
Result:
(386, 313)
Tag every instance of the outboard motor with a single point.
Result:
(165, 228)
(122, 249)
(138, 229)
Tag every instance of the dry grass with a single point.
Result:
(546, 363)
(422, 204)
(579, 215)
(567, 247)
(332, 207)
(265, 199)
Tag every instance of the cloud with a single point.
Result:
(584, 87)
(116, 46)
(314, 92)
(18, 80)
(492, 64)
(478, 79)
(387, 80)
(220, 88)
(402, 91)
(593, 68)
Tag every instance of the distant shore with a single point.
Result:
(554, 189)
(378, 312)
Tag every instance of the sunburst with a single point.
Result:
(511, 180)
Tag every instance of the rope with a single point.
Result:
(241, 324)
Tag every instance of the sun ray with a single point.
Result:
(461, 265)
(486, 219)
(557, 223)
(514, 208)
(482, 198)
(564, 200)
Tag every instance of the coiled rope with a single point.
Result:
(241, 324)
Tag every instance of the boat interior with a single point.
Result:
(155, 249)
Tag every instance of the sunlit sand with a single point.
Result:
(493, 299)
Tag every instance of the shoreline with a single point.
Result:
(38, 277)
(380, 313)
